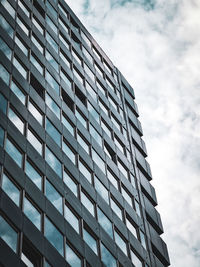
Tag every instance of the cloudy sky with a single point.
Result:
(155, 44)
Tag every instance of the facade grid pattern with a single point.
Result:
(74, 180)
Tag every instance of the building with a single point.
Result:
(75, 185)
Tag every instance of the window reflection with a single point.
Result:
(33, 174)
(15, 154)
(54, 196)
(32, 213)
(11, 190)
(53, 162)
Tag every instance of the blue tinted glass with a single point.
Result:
(105, 223)
(1, 136)
(69, 152)
(18, 92)
(93, 112)
(4, 74)
(6, 26)
(89, 239)
(8, 234)
(53, 132)
(52, 105)
(120, 242)
(52, 82)
(95, 135)
(36, 63)
(33, 175)
(72, 258)
(103, 192)
(98, 160)
(50, 7)
(54, 196)
(52, 42)
(20, 68)
(107, 257)
(54, 236)
(72, 219)
(85, 171)
(21, 45)
(11, 190)
(68, 125)
(52, 61)
(3, 104)
(51, 24)
(5, 49)
(14, 153)
(70, 183)
(53, 162)
(87, 203)
(32, 213)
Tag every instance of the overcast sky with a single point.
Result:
(156, 45)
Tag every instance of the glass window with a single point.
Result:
(16, 120)
(20, 67)
(110, 84)
(142, 239)
(37, 43)
(50, 7)
(21, 45)
(26, 11)
(33, 139)
(63, 10)
(72, 257)
(115, 122)
(51, 24)
(85, 171)
(120, 242)
(35, 112)
(67, 124)
(66, 60)
(137, 208)
(11, 190)
(53, 162)
(107, 67)
(112, 178)
(83, 143)
(1, 136)
(85, 38)
(33, 174)
(80, 117)
(91, 91)
(106, 129)
(3, 103)
(93, 112)
(135, 260)
(112, 102)
(104, 108)
(87, 55)
(123, 170)
(63, 24)
(14, 153)
(119, 144)
(5, 49)
(53, 196)
(54, 236)
(32, 213)
(52, 60)
(98, 160)
(99, 70)
(131, 227)
(72, 219)
(67, 150)
(87, 203)
(101, 189)
(53, 132)
(9, 8)
(35, 61)
(37, 25)
(78, 75)
(4, 74)
(101, 88)
(105, 222)
(107, 257)
(52, 82)
(77, 58)
(64, 41)
(96, 53)
(8, 234)
(95, 135)
(52, 42)
(64, 76)
(70, 183)
(22, 25)
(115, 207)
(126, 196)
(52, 105)
(90, 240)
(6, 26)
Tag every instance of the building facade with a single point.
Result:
(74, 182)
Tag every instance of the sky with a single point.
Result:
(155, 44)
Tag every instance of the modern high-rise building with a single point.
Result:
(74, 182)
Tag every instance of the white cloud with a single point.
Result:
(157, 51)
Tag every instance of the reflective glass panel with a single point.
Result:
(3, 103)
(87, 203)
(31, 137)
(14, 153)
(52, 42)
(72, 219)
(85, 171)
(67, 150)
(98, 160)
(8, 234)
(53, 132)
(70, 183)
(4, 74)
(5, 49)
(107, 257)
(52, 105)
(90, 240)
(21, 45)
(16, 120)
(105, 222)
(121, 243)
(1, 136)
(51, 60)
(72, 257)
(53, 162)
(35, 112)
(6, 26)
(54, 236)
(33, 174)
(11, 190)
(32, 213)
(101, 189)
(52, 82)
(20, 68)
(53, 195)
